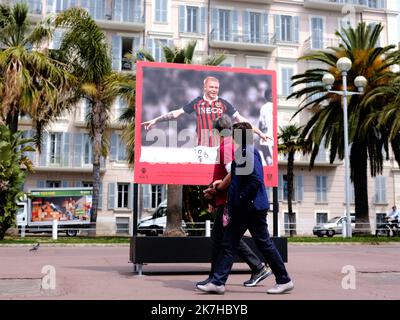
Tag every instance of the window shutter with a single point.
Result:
(214, 23)
(111, 195)
(296, 27)
(64, 184)
(31, 155)
(234, 25)
(130, 196)
(116, 53)
(136, 45)
(280, 187)
(100, 207)
(114, 147)
(182, 14)
(138, 11)
(299, 188)
(164, 10)
(203, 20)
(246, 25)
(65, 151)
(41, 183)
(146, 195)
(117, 10)
(278, 32)
(78, 137)
(50, 6)
(44, 154)
(265, 24)
(150, 46)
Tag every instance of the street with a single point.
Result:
(320, 272)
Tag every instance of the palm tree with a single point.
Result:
(326, 123)
(290, 143)
(30, 81)
(174, 194)
(84, 46)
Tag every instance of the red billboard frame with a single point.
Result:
(191, 173)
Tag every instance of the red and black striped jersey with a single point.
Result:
(207, 112)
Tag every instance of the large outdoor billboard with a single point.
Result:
(65, 205)
(176, 108)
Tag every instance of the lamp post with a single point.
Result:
(344, 65)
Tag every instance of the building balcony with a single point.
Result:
(241, 41)
(68, 163)
(336, 5)
(313, 44)
(322, 160)
(131, 23)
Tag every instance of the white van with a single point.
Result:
(156, 224)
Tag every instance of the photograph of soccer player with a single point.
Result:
(207, 108)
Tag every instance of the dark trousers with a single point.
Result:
(256, 222)
(243, 250)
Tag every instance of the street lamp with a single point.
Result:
(344, 65)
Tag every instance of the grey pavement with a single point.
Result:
(104, 272)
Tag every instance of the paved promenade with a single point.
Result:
(104, 272)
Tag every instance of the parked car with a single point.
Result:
(332, 227)
(155, 224)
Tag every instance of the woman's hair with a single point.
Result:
(223, 125)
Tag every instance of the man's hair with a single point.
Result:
(210, 79)
(243, 133)
(223, 123)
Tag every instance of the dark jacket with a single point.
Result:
(247, 190)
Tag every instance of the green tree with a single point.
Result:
(84, 47)
(30, 81)
(14, 164)
(174, 194)
(290, 142)
(326, 123)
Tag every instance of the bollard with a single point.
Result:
(55, 231)
(208, 228)
(23, 231)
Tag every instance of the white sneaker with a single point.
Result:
(281, 288)
(211, 288)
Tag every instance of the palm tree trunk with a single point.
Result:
(98, 123)
(359, 165)
(12, 119)
(290, 190)
(174, 212)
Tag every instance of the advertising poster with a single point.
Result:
(176, 109)
(69, 206)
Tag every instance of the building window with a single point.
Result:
(317, 33)
(380, 189)
(117, 150)
(87, 184)
(96, 8)
(321, 189)
(255, 27)
(287, 74)
(53, 184)
(156, 195)
(122, 225)
(122, 196)
(161, 10)
(155, 47)
(290, 223)
(129, 11)
(380, 219)
(322, 217)
(123, 48)
(287, 28)
(224, 25)
(55, 147)
(192, 16)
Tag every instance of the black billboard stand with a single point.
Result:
(137, 267)
(275, 224)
